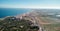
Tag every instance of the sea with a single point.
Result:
(12, 11)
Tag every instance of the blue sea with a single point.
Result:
(12, 11)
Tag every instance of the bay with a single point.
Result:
(12, 11)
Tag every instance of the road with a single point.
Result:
(36, 21)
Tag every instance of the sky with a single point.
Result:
(30, 4)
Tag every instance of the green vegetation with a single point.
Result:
(13, 24)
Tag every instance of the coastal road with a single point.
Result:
(36, 21)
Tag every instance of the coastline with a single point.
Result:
(24, 14)
(14, 13)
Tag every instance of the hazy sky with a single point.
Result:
(30, 3)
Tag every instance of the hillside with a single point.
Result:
(12, 23)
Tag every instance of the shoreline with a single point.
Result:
(19, 14)
(24, 14)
